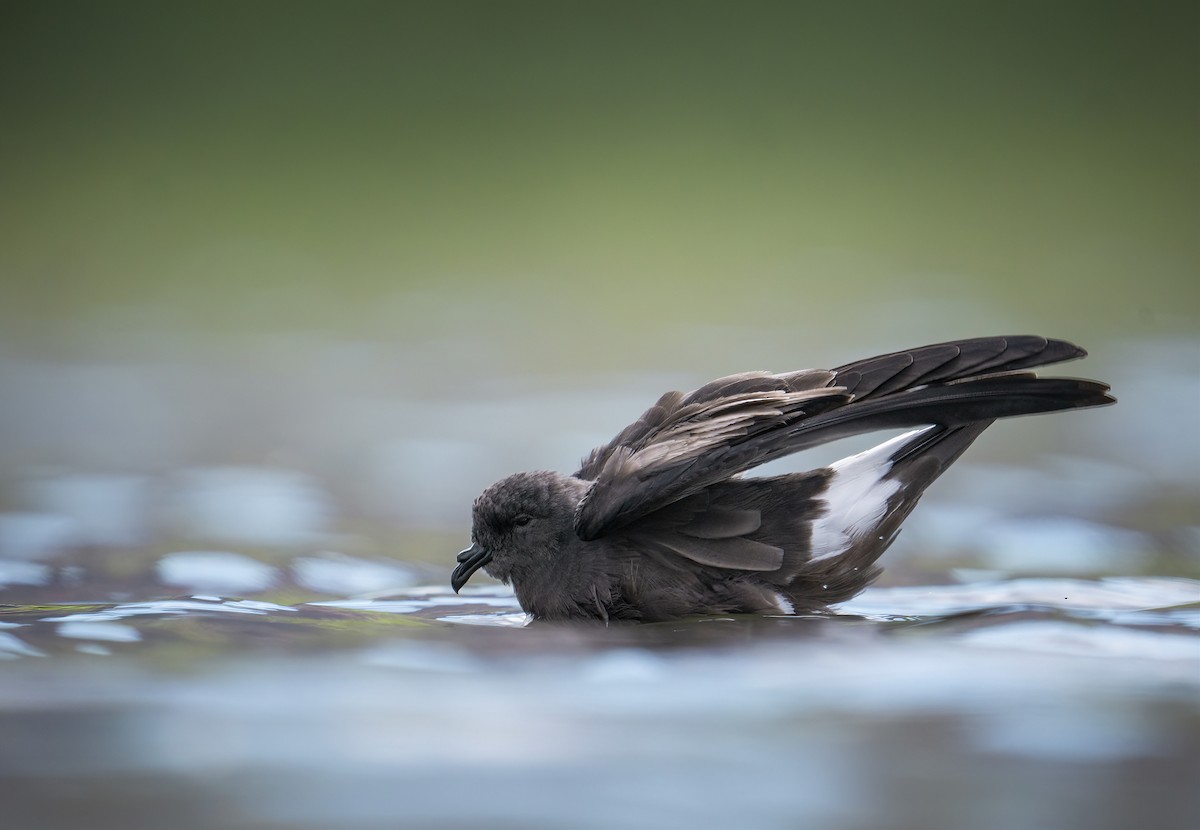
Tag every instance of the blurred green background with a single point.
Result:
(606, 169)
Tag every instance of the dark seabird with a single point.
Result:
(659, 523)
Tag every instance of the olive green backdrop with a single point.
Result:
(373, 167)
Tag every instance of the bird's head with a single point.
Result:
(517, 523)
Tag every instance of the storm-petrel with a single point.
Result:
(659, 523)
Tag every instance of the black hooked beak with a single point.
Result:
(469, 561)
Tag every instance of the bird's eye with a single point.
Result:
(522, 520)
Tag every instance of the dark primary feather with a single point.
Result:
(943, 362)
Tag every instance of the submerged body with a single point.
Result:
(660, 524)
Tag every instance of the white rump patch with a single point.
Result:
(784, 604)
(857, 497)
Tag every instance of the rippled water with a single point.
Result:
(1012, 703)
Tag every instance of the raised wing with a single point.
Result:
(685, 443)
